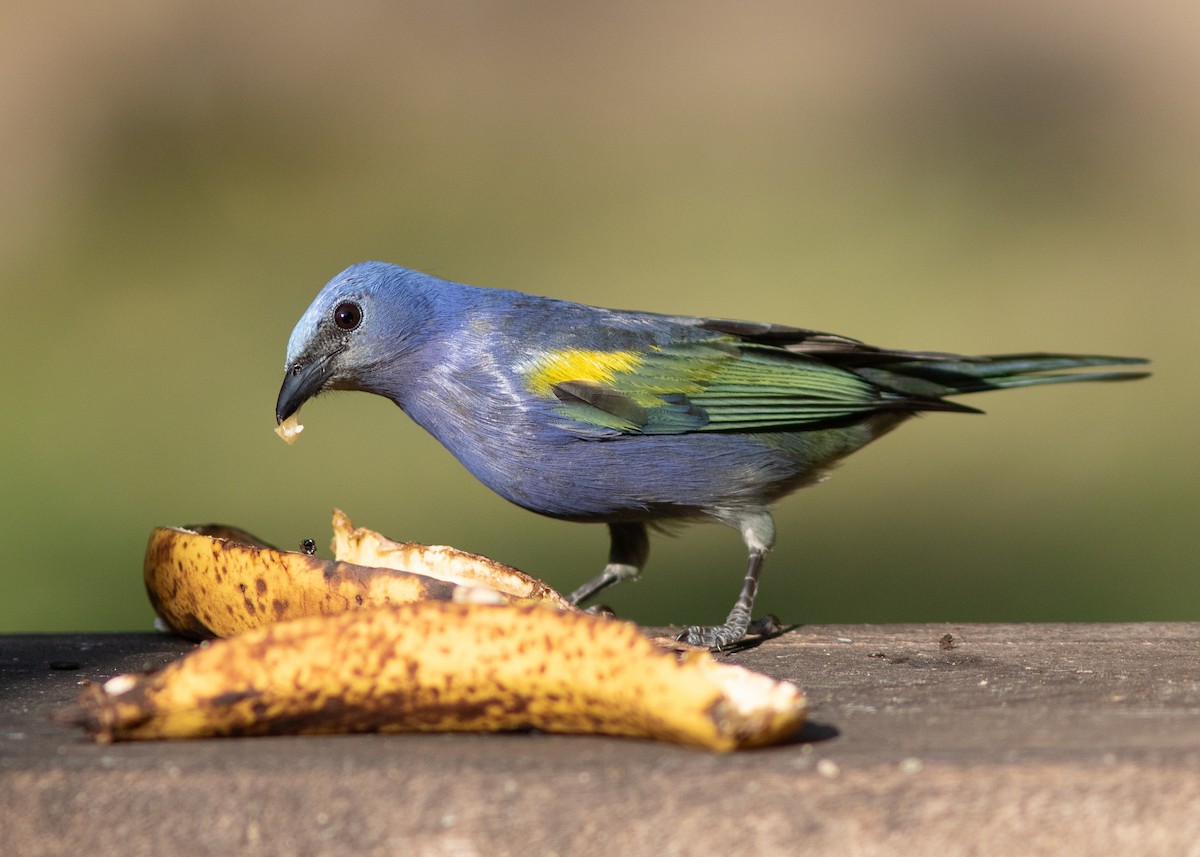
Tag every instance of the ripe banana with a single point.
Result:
(217, 581)
(443, 666)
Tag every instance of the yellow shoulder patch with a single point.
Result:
(555, 367)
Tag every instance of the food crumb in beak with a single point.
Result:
(289, 429)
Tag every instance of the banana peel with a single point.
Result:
(395, 636)
(368, 548)
(445, 666)
(217, 581)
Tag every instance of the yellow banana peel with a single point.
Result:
(445, 666)
(217, 581)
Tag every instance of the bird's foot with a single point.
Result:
(765, 626)
(717, 637)
(709, 636)
(613, 574)
(601, 610)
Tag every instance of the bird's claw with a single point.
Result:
(765, 626)
(717, 637)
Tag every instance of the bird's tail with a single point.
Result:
(933, 376)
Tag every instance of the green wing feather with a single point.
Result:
(753, 377)
(713, 385)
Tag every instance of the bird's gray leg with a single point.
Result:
(626, 555)
(758, 531)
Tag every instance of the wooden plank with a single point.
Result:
(1003, 739)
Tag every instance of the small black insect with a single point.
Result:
(308, 546)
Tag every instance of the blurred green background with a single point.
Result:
(179, 180)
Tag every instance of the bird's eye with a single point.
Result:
(347, 316)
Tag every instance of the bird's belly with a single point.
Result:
(643, 477)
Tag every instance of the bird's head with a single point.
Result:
(363, 321)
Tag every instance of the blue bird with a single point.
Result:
(630, 418)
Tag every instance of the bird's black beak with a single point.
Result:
(301, 383)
